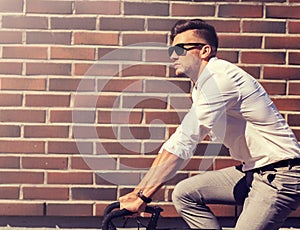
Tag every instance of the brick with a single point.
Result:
(240, 41)
(25, 22)
(9, 192)
(265, 1)
(196, 164)
(48, 69)
(49, 7)
(294, 27)
(73, 23)
(224, 163)
(263, 57)
(293, 119)
(45, 162)
(282, 73)
(24, 116)
(231, 56)
(192, 10)
(287, 104)
(21, 177)
(228, 25)
(254, 71)
(144, 70)
(94, 193)
(137, 163)
(223, 210)
(13, 146)
(152, 148)
(47, 100)
(264, 26)
(92, 132)
(177, 178)
(294, 58)
(180, 102)
(294, 88)
(11, 6)
(65, 147)
(90, 101)
(46, 131)
(45, 193)
(96, 38)
(102, 7)
(297, 133)
(144, 38)
(72, 53)
(240, 11)
(120, 85)
(10, 37)
(98, 69)
(120, 117)
(66, 84)
(280, 42)
(21, 209)
(10, 100)
(93, 163)
(146, 9)
(170, 86)
(122, 24)
(10, 131)
(58, 116)
(149, 102)
(11, 68)
(286, 12)
(163, 117)
(67, 209)
(163, 24)
(23, 84)
(148, 133)
(109, 54)
(9, 162)
(37, 37)
(118, 178)
(275, 88)
(130, 148)
(157, 56)
(69, 178)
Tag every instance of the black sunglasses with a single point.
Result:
(180, 50)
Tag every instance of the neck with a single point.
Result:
(202, 67)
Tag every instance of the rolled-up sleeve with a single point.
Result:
(210, 102)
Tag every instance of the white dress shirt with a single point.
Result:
(232, 106)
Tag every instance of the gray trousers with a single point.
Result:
(267, 197)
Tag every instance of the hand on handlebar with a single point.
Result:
(132, 203)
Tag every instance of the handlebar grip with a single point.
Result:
(109, 215)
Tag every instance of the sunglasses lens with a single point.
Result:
(171, 50)
(178, 50)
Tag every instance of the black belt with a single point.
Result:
(280, 164)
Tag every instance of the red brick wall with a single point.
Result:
(88, 96)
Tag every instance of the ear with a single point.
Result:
(205, 52)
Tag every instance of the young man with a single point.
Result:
(233, 107)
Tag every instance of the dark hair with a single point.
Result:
(203, 30)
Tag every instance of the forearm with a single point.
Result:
(163, 169)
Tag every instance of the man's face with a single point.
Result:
(189, 63)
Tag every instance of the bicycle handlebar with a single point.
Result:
(109, 214)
